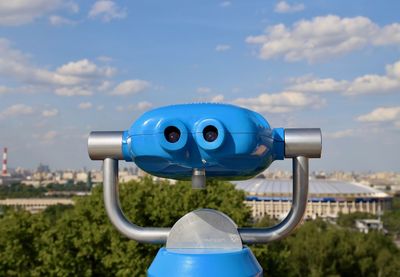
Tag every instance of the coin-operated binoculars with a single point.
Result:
(196, 141)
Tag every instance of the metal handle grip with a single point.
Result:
(107, 146)
(300, 144)
(299, 204)
(117, 217)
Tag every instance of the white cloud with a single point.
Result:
(225, 4)
(85, 68)
(4, 90)
(280, 102)
(203, 90)
(14, 13)
(73, 91)
(16, 110)
(222, 47)
(218, 98)
(130, 87)
(366, 84)
(100, 107)
(22, 89)
(341, 134)
(105, 59)
(72, 6)
(46, 138)
(105, 85)
(50, 113)
(319, 85)
(372, 83)
(49, 136)
(393, 70)
(57, 20)
(144, 105)
(107, 11)
(80, 77)
(284, 7)
(85, 105)
(16, 64)
(389, 34)
(141, 106)
(323, 37)
(381, 114)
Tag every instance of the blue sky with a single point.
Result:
(67, 68)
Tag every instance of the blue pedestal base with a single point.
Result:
(204, 262)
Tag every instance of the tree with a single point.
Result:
(391, 218)
(20, 243)
(80, 241)
(322, 249)
(83, 242)
(349, 220)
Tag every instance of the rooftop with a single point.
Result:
(274, 187)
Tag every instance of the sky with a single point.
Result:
(69, 67)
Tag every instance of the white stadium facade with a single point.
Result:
(326, 198)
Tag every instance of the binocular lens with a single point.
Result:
(172, 134)
(210, 133)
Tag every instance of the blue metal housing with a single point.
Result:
(245, 144)
(200, 263)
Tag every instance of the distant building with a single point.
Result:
(366, 225)
(97, 177)
(33, 183)
(81, 177)
(68, 175)
(35, 205)
(326, 198)
(42, 168)
(8, 180)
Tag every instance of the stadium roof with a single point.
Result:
(273, 187)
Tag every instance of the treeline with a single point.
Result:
(18, 190)
(21, 191)
(80, 241)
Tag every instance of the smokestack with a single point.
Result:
(4, 169)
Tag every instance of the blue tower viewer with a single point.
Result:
(195, 141)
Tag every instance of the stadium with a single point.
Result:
(326, 198)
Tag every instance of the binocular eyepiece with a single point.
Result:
(210, 133)
(172, 133)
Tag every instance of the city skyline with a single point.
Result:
(68, 68)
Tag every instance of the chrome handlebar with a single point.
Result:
(300, 145)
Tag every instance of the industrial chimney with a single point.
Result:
(4, 168)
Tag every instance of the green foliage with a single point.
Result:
(349, 220)
(80, 186)
(391, 218)
(396, 203)
(80, 241)
(321, 249)
(20, 243)
(55, 212)
(20, 191)
(266, 221)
